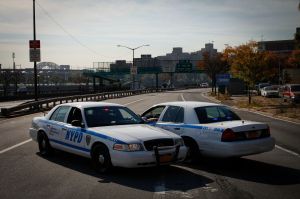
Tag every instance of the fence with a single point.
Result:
(46, 104)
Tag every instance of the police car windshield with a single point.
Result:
(211, 114)
(110, 115)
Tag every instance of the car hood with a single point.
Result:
(238, 125)
(133, 133)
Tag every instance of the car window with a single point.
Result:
(154, 112)
(174, 114)
(54, 114)
(112, 115)
(211, 114)
(75, 114)
(60, 114)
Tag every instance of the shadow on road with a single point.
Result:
(172, 178)
(250, 170)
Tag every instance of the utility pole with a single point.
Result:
(35, 67)
(15, 74)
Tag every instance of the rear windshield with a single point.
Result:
(211, 114)
(295, 88)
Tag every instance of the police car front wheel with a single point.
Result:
(44, 145)
(101, 158)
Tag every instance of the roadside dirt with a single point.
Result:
(271, 106)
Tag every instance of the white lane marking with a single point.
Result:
(133, 102)
(288, 151)
(182, 97)
(15, 146)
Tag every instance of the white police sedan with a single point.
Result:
(109, 134)
(211, 129)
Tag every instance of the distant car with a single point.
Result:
(211, 129)
(260, 86)
(109, 134)
(291, 93)
(204, 85)
(270, 91)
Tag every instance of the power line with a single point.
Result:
(67, 32)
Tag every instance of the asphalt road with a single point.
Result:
(25, 174)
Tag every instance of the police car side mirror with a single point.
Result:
(77, 123)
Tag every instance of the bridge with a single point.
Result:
(116, 74)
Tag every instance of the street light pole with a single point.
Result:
(35, 67)
(133, 49)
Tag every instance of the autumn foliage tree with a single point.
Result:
(250, 64)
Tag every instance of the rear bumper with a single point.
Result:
(240, 148)
(146, 158)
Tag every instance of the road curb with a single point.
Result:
(285, 119)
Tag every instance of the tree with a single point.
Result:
(214, 64)
(294, 59)
(250, 64)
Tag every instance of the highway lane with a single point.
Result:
(287, 134)
(25, 174)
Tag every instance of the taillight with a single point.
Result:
(292, 94)
(228, 135)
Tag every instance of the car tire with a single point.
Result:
(101, 159)
(44, 145)
(193, 154)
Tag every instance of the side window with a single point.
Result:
(154, 112)
(54, 114)
(75, 114)
(60, 114)
(174, 114)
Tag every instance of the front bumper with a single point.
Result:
(33, 134)
(159, 156)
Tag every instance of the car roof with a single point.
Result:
(189, 104)
(90, 104)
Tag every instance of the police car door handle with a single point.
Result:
(64, 129)
(176, 128)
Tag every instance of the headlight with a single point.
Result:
(179, 142)
(128, 147)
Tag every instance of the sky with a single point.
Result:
(80, 32)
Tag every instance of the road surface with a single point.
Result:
(25, 174)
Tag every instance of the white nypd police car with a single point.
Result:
(110, 134)
(211, 129)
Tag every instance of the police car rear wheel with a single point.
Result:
(44, 145)
(193, 154)
(101, 159)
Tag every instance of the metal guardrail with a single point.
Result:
(46, 104)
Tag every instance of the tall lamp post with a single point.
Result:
(133, 49)
(35, 67)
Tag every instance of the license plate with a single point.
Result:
(253, 134)
(165, 158)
